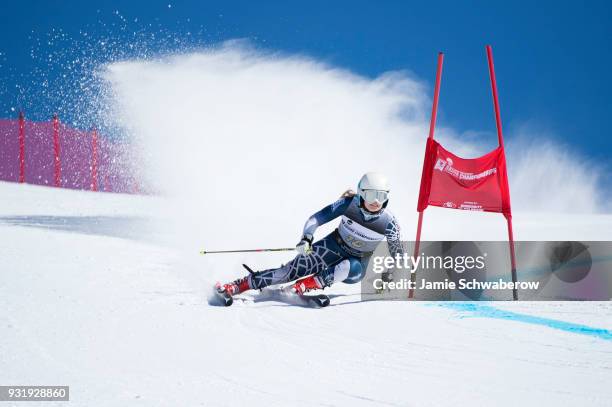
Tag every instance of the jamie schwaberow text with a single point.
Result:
(462, 284)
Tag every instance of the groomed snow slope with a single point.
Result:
(93, 296)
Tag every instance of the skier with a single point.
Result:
(340, 256)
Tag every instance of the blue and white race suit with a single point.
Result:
(342, 255)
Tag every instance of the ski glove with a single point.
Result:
(304, 247)
(387, 276)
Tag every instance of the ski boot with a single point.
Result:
(227, 291)
(310, 283)
(306, 284)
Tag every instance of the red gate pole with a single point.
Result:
(94, 160)
(432, 126)
(56, 151)
(21, 148)
(500, 138)
(512, 257)
(498, 123)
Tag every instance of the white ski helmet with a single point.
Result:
(372, 187)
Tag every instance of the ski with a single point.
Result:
(319, 300)
(284, 294)
(225, 298)
(222, 298)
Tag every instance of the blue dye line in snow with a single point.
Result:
(487, 311)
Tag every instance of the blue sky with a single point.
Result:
(552, 58)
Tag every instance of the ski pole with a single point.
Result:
(282, 249)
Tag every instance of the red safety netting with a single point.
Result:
(55, 154)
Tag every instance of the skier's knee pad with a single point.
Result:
(348, 271)
(356, 272)
(340, 272)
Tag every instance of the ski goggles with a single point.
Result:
(373, 195)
